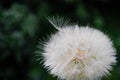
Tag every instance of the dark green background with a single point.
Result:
(23, 23)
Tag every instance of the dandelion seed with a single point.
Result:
(78, 53)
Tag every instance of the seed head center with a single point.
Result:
(79, 53)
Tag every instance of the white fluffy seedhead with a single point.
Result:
(78, 53)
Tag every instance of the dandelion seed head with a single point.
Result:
(79, 53)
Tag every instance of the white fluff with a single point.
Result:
(79, 53)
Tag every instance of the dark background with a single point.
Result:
(23, 23)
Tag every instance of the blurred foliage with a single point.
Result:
(23, 23)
